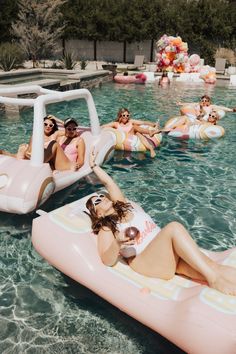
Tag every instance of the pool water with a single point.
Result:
(194, 182)
(26, 78)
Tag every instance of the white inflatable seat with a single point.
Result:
(189, 77)
(184, 77)
(150, 76)
(196, 77)
(233, 80)
(170, 75)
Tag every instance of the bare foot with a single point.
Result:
(223, 285)
(74, 166)
(228, 272)
(152, 153)
(21, 153)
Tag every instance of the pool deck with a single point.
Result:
(93, 76)
(64, 79)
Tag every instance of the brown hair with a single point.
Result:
(120, 112)
(109, 221)
(206, 97)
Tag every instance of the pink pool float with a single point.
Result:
(130, 79)
(196, 318)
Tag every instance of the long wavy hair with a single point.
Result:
(120, 112)
(52, 119)
(109, 221)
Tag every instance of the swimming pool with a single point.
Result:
(194, 182)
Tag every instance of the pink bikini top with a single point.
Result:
(124, 128)
(70, 150)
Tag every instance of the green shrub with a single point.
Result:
(11, 56)
(83, 63)
(55, 65)
(68, 60)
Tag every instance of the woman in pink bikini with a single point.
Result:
(53, 153)
(133, 127)
(72, 145)
(154, 252)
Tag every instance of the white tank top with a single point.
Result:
(148, 230)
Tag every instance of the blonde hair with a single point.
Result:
(120, 112)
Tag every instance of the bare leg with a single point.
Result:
(22, 150)
(7, 153)
(182, 121)
(147, 145)
(162, 257)
(59, 159)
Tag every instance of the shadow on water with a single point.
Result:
(149, 341)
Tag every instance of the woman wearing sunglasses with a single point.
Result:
(152, 251)
(53, 153)
(72, 145)
(133, 127)
(202, 109)
(184, 124)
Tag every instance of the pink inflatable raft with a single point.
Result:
(196, 318)
(26, 184)
(130, 79)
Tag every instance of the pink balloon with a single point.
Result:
(194, 59)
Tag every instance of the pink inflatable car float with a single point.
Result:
(26, 184)
(196, 318)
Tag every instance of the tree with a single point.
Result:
(8, 11)
(38, 27)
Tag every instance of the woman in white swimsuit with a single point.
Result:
(156, 252)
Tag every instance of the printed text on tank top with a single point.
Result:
(148, 230)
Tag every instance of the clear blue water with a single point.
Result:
(43, 311)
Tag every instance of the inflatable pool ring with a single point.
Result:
(131, 142)
(130, 79)
(191, 111)
(204, 131)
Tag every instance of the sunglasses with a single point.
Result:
(50, 125)
(212, 116)
(125, 115)
(71, 129)
(98, 200)
(204, 100)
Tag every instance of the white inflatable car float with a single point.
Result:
(26, 184)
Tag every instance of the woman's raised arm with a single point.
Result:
(111, 186)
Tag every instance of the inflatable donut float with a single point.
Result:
(130, 142)
(204, 131)
(192, 112)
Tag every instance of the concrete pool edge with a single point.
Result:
(70, 79)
